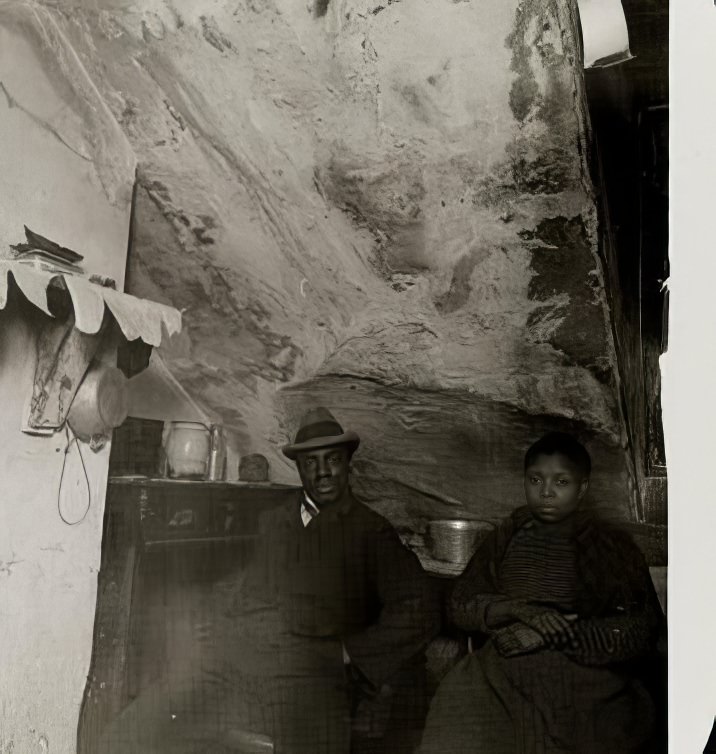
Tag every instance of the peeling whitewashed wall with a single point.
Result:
(67, 172)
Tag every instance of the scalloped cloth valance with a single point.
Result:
(136, 317)
(66, 346)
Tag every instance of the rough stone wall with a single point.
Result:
(381, 205)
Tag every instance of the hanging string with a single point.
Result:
(62, 476)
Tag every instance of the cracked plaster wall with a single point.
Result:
(390, 199)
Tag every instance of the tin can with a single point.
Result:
(455, 540)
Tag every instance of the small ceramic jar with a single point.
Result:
(186, 446)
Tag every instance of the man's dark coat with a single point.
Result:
(344, 579)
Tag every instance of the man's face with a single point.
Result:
(324, 473)
(554, 487)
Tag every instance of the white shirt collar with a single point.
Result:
(308, 509)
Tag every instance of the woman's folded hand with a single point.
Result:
(554, 627)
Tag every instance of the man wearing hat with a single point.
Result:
(321, 651)
(355, 607)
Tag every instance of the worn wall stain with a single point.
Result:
(561, 261)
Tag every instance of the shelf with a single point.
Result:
(167, 483)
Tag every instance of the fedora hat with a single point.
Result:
(319, 429)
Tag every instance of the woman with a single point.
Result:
(565, 606)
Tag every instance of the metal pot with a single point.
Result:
(100, 403)
(455, 540)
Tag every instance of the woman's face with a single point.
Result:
(554, 487)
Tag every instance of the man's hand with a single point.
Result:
(370, 714)
(358, 685)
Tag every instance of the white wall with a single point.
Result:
(48, 570)
(67, 169)
(67, 173)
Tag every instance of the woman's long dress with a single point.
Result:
(547, 701)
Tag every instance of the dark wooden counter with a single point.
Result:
(165, 542)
